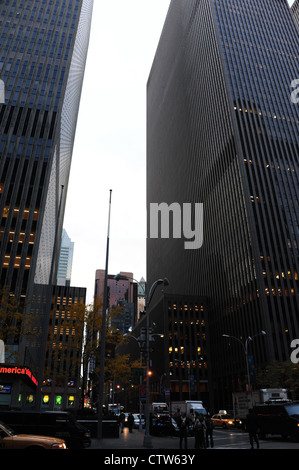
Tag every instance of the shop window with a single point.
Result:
(46, 399)
(71, 401)
(29, 399)
(58, 400)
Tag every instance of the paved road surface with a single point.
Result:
(223, 439)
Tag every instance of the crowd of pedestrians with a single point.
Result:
(201, 426)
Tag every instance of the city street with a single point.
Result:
(223, 439)
(226, 439)
(231, 448)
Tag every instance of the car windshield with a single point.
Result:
(160, 409)
(7, 429)
(200, 410)
(293, 410)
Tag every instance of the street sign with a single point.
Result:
(142, 392)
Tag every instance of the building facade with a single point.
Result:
(62, 387)
(120, 293)
(141, 299)
(183, 372)
(43, 48)
(222, 131)
(65, 261)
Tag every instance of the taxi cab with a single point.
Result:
(10, 440)
(225, 421)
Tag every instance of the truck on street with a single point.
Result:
(186, 406)
(159, 408)
(242, 401)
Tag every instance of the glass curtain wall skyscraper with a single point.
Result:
(64, 270)
(222, 130)
(43, 49)
(295, 11)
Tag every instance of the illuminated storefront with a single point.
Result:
(17, 386)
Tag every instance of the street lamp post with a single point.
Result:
(139, 341)
(140, 377)
(245, 348)
(147, 441)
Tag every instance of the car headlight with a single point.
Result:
(58, 446)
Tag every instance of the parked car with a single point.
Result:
(89, 419)
(60, 424)
(10, 440)
(282, 419)
(137, 420)
(226, 421)
(164, 425)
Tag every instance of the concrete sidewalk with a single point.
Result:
(134, 440)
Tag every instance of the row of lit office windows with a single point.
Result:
(16, 213)
(181, 349)
(17, 261)
(188, 364)
(186, 307)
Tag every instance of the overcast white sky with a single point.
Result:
(110, 145)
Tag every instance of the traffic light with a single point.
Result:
(142, 336)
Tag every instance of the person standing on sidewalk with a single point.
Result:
(130, 422)
(122, 421)
(209, 432)
(200, 432)
(192, 418)
(183, 424)
(252, 428)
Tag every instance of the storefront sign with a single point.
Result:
(18, 371)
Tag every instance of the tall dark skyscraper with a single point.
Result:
(222, 130)
(43, 48)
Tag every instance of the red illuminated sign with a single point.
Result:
(18, 371)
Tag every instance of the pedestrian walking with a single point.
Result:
(130, 422)
(183, 424)
(200, 432)
(122, 421)
(209, 431)
(177, 415)
(252, 428)
(192, 417)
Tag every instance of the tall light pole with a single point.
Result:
(245, 348)
(147, 441)
(103, 334)
(140, 377)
